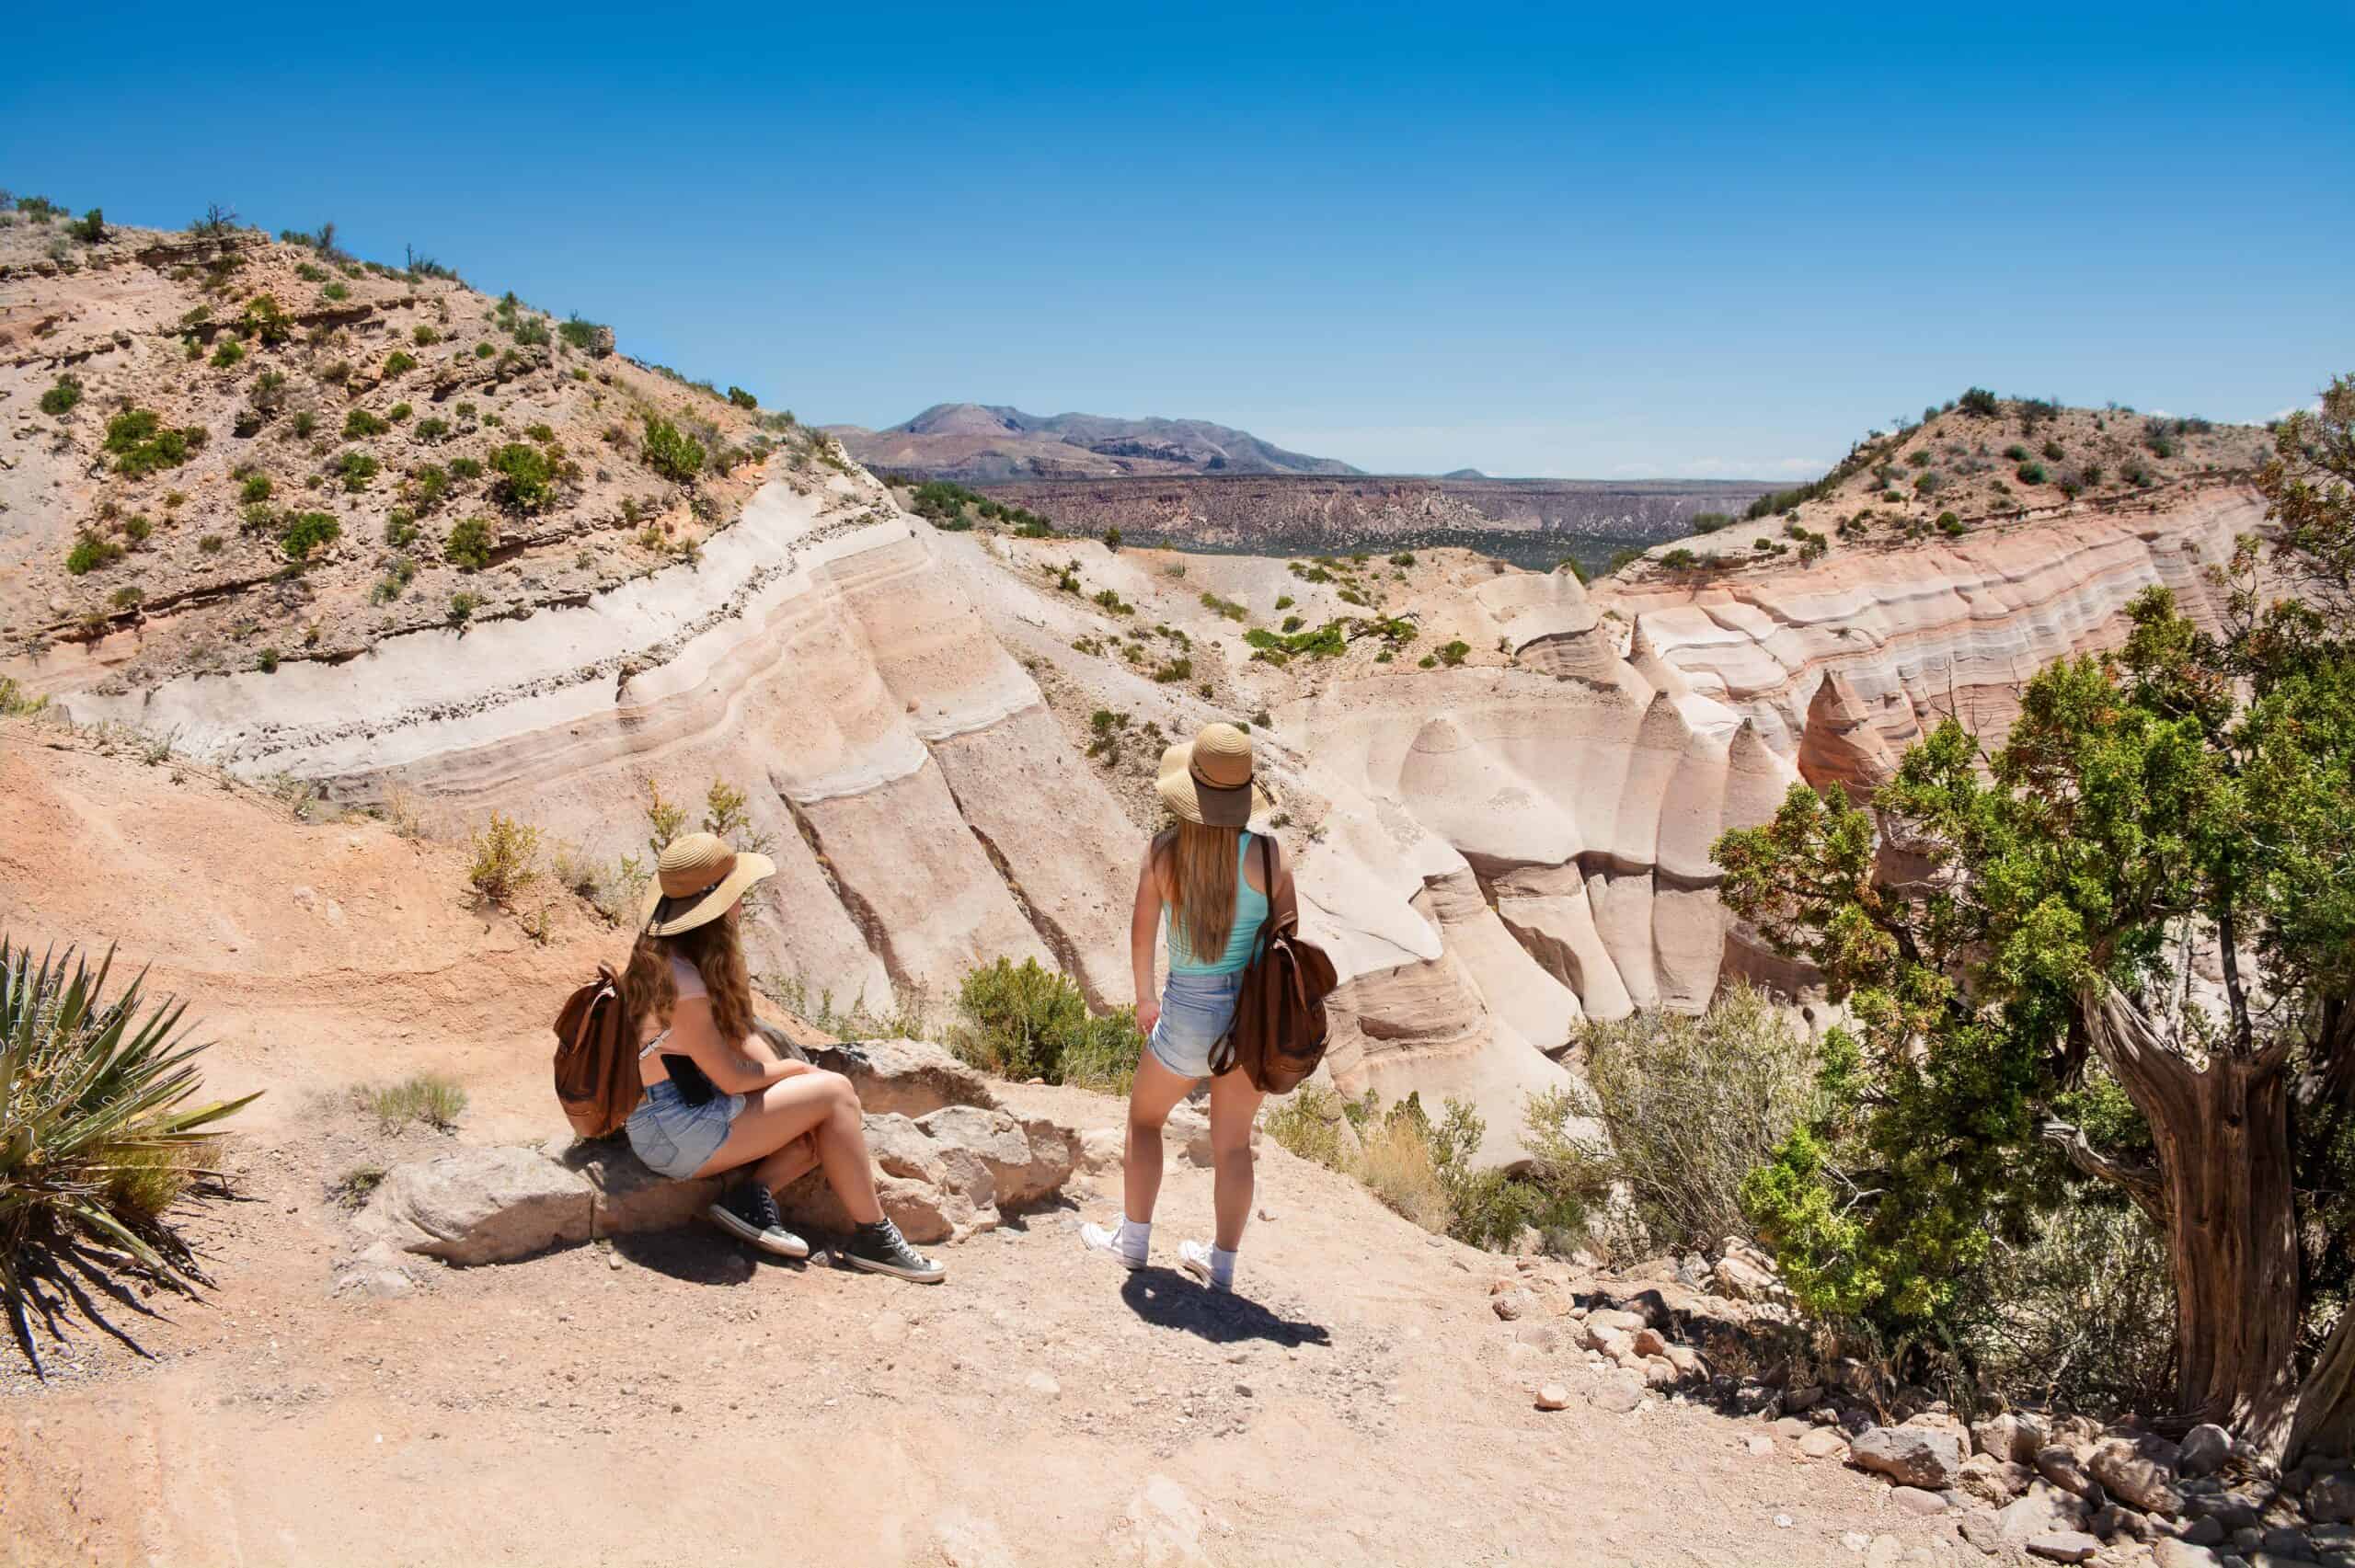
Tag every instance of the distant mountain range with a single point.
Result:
(975, 442)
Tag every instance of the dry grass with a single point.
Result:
(1397, 1165)
(429, 1097)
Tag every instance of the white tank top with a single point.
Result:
(686, 980)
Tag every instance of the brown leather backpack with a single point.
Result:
(596, 1057)
(1279, 1033)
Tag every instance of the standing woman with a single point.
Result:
(718, 1098)
(1207, 875)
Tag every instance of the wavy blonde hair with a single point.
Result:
(1198, 870)
(718, 953)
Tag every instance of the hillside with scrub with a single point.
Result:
(221, 451)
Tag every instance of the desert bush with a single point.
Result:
(209, 544)
(429, 1097)
(359, 424)
(62, 397)
(15, 702)
(1396, 1163)
(143, 444)
(136, 528)
(465, 468)
(673, 455)
(356, 468)
(1311, 1123)
(1023, 1021)
(470, 544)
(580, 333)
(1454, 653)
(336, 292)
(90, 228)
(526, 479)
(432, 428)
(306, 532)
(739, 397)
(1949, 523)
(1980, 403)
(2029, 474)
(1689, 1107)
(257, 487)
(227, 353)
(1224, 607)
(91, 551)
(399, 363)
(98, 1139)
(462, 608)
(505, 856)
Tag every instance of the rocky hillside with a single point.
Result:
(1530, 522)
(221, 452)
(974, 442)
(1981, 462)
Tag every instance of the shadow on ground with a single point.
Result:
(1167, 1298)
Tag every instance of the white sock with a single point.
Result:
(1222, 1265)
(1132, 1241)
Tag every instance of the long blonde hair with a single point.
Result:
(718, 955)
(1198, 868)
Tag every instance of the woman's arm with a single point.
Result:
(1144, 925)
(727, 1066)
(757, 1046)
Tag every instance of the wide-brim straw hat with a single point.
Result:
(1209, 779)
(698, 879)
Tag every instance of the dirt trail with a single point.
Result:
(668, 1399)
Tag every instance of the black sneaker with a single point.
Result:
(881, 1248)
(748, 1211)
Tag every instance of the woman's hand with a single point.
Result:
(1148, 1014)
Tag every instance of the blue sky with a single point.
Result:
(1668, 240)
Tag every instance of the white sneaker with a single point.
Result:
(1202, 1262)
(1096, 1239)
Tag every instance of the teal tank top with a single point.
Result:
(1251, 913)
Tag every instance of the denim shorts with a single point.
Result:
(676, 1139)
(1195, 1012)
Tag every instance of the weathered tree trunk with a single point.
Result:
(2325, 1420)
(2223, 1135)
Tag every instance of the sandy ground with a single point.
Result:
(669, 1399)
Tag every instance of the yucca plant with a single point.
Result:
(96, 1139)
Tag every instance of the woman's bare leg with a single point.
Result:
(1234, 1103)
(1151, 1098)
(819, 1105)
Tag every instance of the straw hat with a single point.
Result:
(697, 880)
(1208, 779)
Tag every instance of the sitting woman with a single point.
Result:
(717, 1097)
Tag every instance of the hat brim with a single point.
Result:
(1197, 802)
(749, 868)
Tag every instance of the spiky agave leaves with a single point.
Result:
(92, 1106)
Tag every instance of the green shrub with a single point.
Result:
(136, 528)
(1454, 653)
(98, 1139)
(1025, 1022)
(463, 607)
(531, 332)
(227, 353)
(336, 292)
(257, 487)
(399, 363)
(143, 444)
(211, 545)
(1224, 607)
(484, 351)
(2029, 474)
(742, 398)
(526, 479)
(1689, 1107)
(356, 468)
(470, 544)
(1710, 521)
(673, 455)
(582, 335)
(398, 412)
(306, 532)
(1403, 558)
(423, 336)
(1980, 403)
(359, 424)
(62, 397)
(465, 468)
(305, 422)
(427, 482)
(91, 552)
(432, 429)
(90, 228)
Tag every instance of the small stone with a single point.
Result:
(2064, 1546)
(2207, 1530)
(1824, 1443)
(2058, 1465)
(1982, 1531)
(2287, 1543)
(1042, 1383)
(1760, 1446)
(1885, 1552)
(1268, 1216)
(2331, 1500)
(1855, 1540)
(612, 1260)
(1553, 1396)
(1649, 1342)
(1914, 1500)
(2140, 1471)
(1510, 1305)
(1618, 1392)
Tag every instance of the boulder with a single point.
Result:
(2010, 1435)
(907, 1078)
(2059, 1464)
(2064, 1546)
(948, 1173)
(478, 1205)
(2205, 1448)
(1824, 1443)
(2042, 1509)
(1993, 1480)
(626, 1195)
(1618, 1392)
(1744, 1280)
(1910, 1456)
(2331, 1499)
(2170, 1553)
(2140, 1469)
(1914, 1500)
